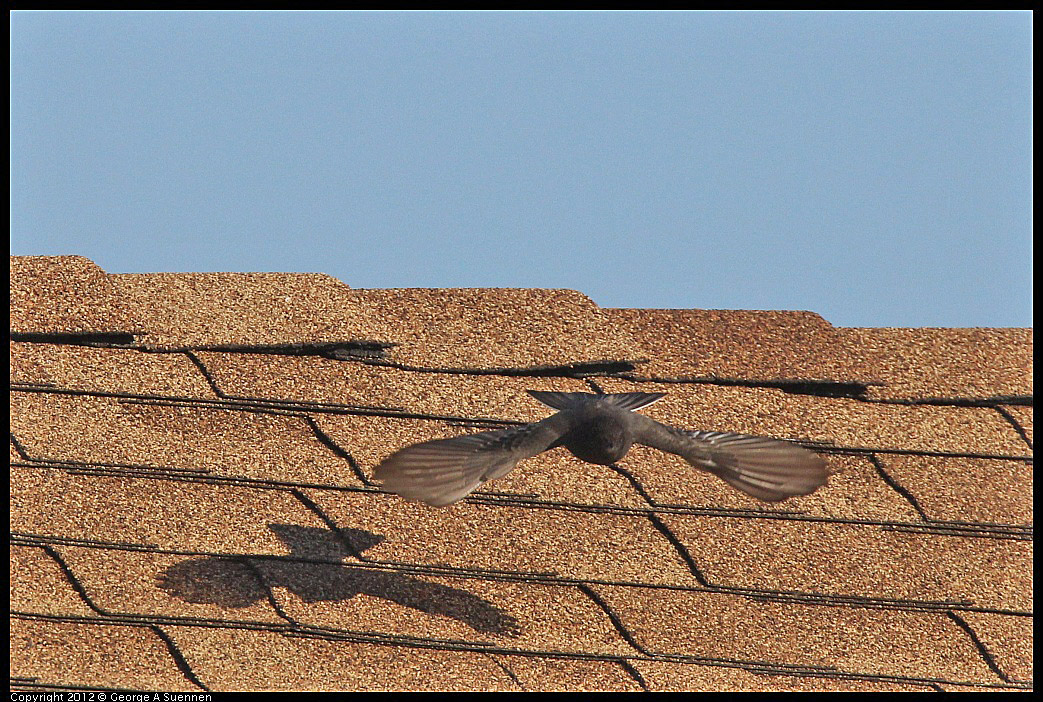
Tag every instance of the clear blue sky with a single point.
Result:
(872, 167)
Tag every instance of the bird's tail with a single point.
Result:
(623, 400)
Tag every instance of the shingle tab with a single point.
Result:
(613, 547)
(944, 363)
(843, 422)
(142, 512)
(536, 673)
(452, 328)
(143, 584)
(39, 584)
(311, 379)
(750, 345)
(317, 664)
(107, 370)
(949, 488)
(1004, 638)
(172, 438)
(720, 677)
(869, 562)
(88, 654)
(66, 294)
(389, 602)
(772, 637)
(184, 310)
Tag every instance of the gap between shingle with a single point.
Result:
(179, 658)
(577, 369)
(337, 350)
(982, 649)
(105, 339)
(1013, 421)
(374, 353)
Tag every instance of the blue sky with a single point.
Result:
(872, 167)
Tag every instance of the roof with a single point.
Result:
(192, 508)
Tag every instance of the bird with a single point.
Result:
(600, 429)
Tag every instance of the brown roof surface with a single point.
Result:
(192, 509)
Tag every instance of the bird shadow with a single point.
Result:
(240, 581)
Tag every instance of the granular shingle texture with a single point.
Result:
(192, 506)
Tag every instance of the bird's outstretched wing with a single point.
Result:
(768, 469)
(445, 471)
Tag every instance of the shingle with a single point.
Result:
(38, 584)
(258, 445)
(855, 489)
(169, 514)
(94, 655)
(312, 379)
(107, 370)
(558, 477)
(766, 635)
(727, 677)
(865, 561)
(736, 344)
(227, 660)
(1021, 418)
(592, 546)
(371, 438)
(952, 488)
(191, 479)
(838, 421)
(944, 363)
(546, 674)
(391, 602)
(66, 294)
(179, 310)
(145, 584)
(1007, 640)
(466, 328)
(494, 327)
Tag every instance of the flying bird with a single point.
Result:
(598, 429)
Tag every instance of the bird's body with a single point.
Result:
(598, 429)
(598, 435)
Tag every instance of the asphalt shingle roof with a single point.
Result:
(192, 507)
